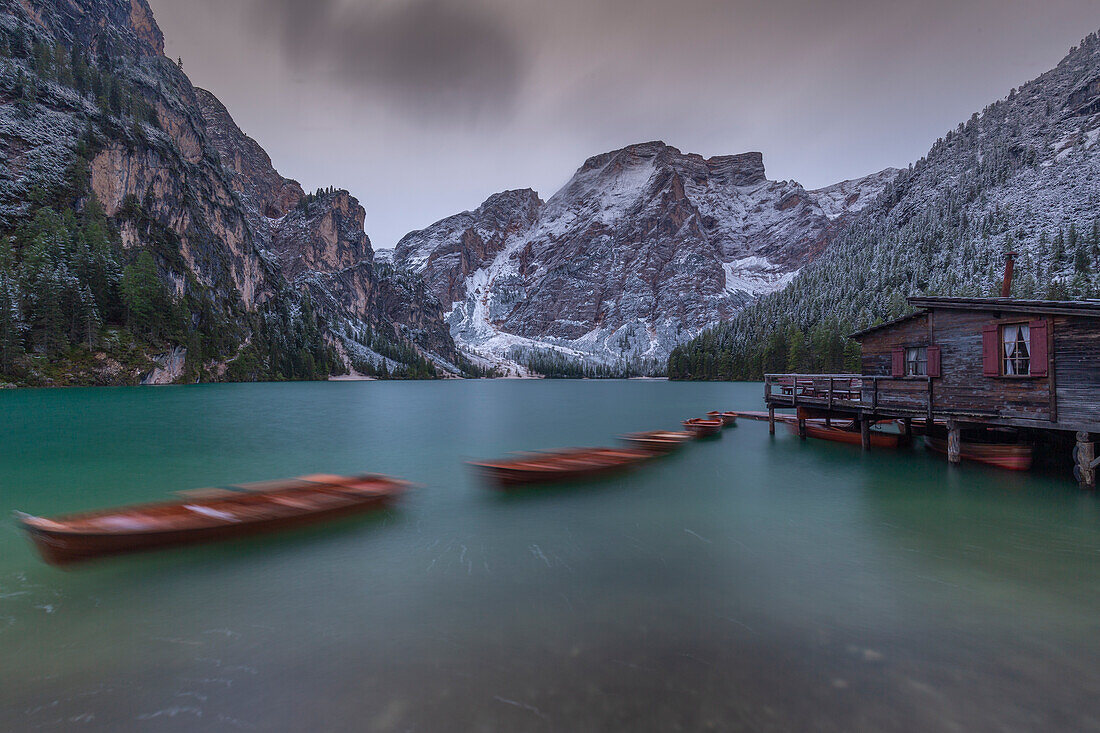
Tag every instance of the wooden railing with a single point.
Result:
(907, 394)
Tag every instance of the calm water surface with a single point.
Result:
(749, 583)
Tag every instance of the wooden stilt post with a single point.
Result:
(865, 433)
(771, 419)
(801, 415)
(907, 430)
(954, 442)
(1084, 460)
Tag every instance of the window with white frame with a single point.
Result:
(916, 361)
(1016, 349)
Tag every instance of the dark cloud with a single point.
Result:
(425, 107)
(439, 58)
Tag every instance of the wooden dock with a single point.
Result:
(974, 364)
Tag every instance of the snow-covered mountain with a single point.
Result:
(1022, 175)
(640, 250)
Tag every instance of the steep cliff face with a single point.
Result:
(264, 193)
(318, 244)
(122, 26)
(96, 122)
(449, 251)
(94, 111)
(643, 248)
(160, 160)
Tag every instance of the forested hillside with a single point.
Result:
(143, 235)
(1023, 175)
(76, 306)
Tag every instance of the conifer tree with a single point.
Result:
(11, 325)
(88, 317)
(143, 295)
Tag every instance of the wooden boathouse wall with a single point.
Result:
(965, 384)
(1077, 360)
(878, 346)
(964, 387)
(1065, 395)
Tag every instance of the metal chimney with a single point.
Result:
(1010, 264)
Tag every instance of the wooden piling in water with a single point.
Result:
(954, 442)
(865, 433)
(1084, 460)
(771, 419)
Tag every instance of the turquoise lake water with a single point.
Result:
(746, 583)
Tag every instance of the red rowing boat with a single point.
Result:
(657, 441)
(727, 418)
(561, 465)
(845, 433)
(1012, 456)
(703, 427)
(207, 515)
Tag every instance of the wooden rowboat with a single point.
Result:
(1011, 456)
(562, 465)
(727, 418)
(845, 432)
(207, 515)
(657, 441)
(703, 427)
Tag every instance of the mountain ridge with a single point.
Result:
(1021, 175)
(244, 275)
(644, 247)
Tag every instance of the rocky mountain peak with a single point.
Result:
(322, 234)
(319, 244)
(522, 200)
(631, 153)
(641, 249)
(744, 169)
(447, 252)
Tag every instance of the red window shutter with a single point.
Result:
(1039, 356)
(991, 350)
(933, 361)
(897, 367)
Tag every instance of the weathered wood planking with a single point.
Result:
(911, 393)
(1077, 368)
(878, 346)
(963, 386)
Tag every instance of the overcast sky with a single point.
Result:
(423, 108)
